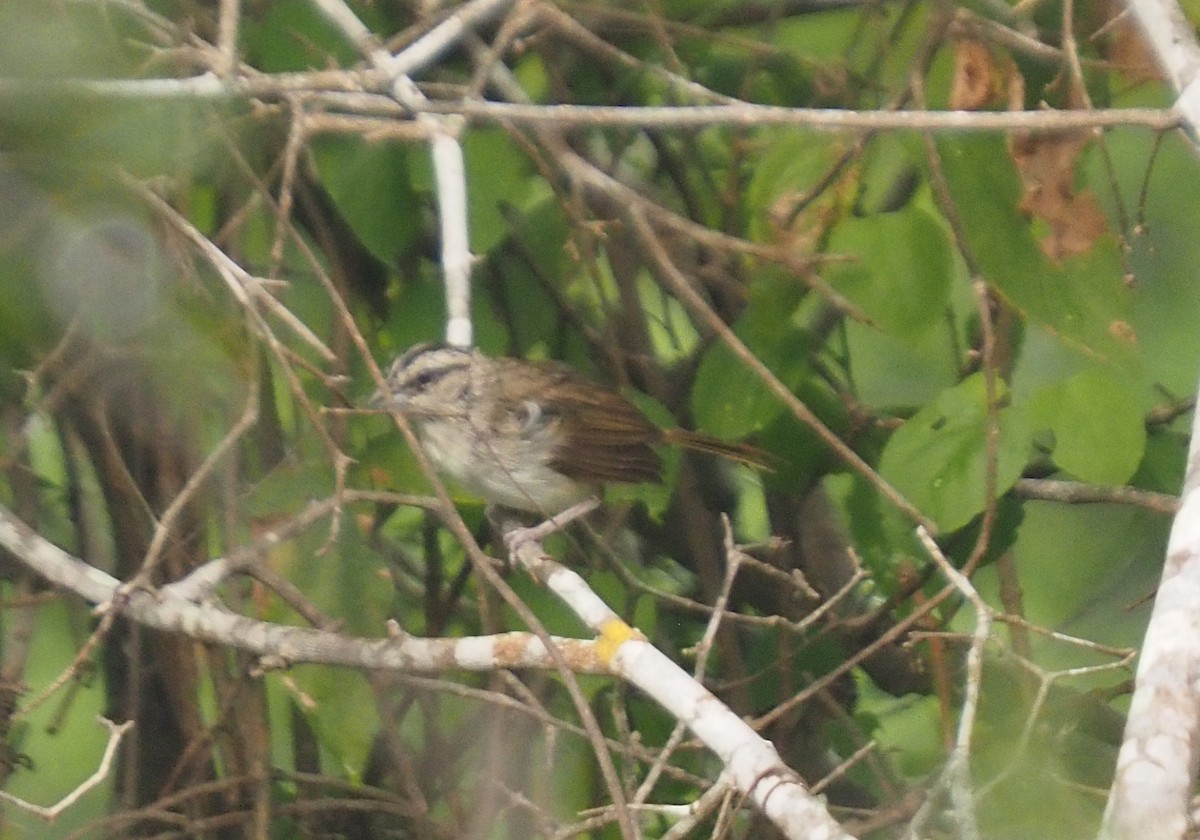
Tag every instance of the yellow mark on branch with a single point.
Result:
(613, 634)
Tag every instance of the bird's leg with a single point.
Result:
(519, 539)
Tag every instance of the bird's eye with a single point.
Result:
(423, 380)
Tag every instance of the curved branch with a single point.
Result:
(751, 762)
(279, 644)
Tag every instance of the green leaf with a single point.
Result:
(798, 454)
(1083, 299)
(1164, 462)
(1098, 555)
(906, 727)
(344, 717)
(891, 174)
(892, 373)
(371, 185)
(293, 35)
(63, 738)
(792, 165)
(727, 399)
(1099, 431)
(1162, 258)
(901, 270)
(938, 458)
(496, 173)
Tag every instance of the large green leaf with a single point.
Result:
(900, 270)
(938, 458)
(497, 173)
(893, 373)
(729, 400)
(905, 727)
(1085, 569)
(1099, 431)
(1083, 298)
(343, 714)
(1164, 249)
(372, 187)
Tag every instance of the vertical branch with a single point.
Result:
(448, 168)
(1174, 42)
(1156, 768)
(957, 774)
(227, 36)
(450, 176)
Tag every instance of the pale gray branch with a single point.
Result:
(1173, 40)
(51, 812)
(750, 762)
(279, 644)
(1156, 768)
(362, 92)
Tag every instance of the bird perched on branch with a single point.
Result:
(531, 436)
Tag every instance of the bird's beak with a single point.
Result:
(383, 400)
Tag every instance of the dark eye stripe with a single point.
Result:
(428, 377)
(424, 365)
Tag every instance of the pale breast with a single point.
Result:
(505, 466)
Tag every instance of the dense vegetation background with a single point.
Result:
(1000, 325)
